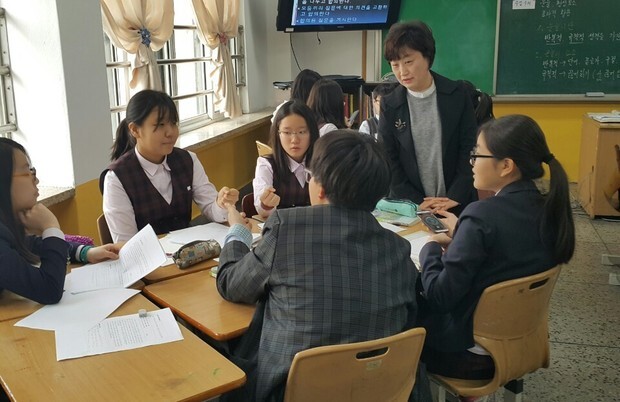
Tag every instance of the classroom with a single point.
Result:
(68, 84)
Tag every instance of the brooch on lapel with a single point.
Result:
(400, 124)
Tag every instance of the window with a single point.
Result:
(184, 64)
(7, 101)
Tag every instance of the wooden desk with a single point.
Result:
(195, 299)
(187, 370)
(13, 306)
(173, 271)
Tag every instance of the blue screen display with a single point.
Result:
(337, 12)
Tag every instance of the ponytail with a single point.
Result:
(124, 141)
(557, 214)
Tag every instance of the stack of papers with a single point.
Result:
(93, 292)
(613, 117)
(417, 241)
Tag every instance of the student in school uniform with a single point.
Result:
(324, 274)
(33, 250)
(280, 181)
(327, 102)
(150, 181)
(427, 125)
(516, 233)
(371, 125)
(300, 90)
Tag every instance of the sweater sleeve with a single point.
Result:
(42, 284)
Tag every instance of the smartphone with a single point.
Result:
(432, 222)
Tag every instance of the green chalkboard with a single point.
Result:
(558, 47)
(464, 32)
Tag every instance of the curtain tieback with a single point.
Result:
(223, 38)
(146, 36)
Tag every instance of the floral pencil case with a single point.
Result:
(196, 251)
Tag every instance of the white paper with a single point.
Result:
(523, 4)
(141, 255)
(417, 240)
(118, 333)
(82, 309)
(215, 231)
(391, 227)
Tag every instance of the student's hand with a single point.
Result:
(269, 199)
(102, 253)
(434, 204)
(235, 217)
(449, 220)
(227, 196)
(37, 219)
(443, 239)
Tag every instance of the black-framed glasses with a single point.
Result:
(31, 172)
(473, 156)
(308, 175)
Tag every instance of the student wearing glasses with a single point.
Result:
(33, 250)
(516, 233)
(279, 179)
(324, 274)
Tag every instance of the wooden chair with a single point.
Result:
(247, 205)
(378, 370)
(104, 231)
(263, 149)
(510, 322)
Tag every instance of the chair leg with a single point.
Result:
(513, 391)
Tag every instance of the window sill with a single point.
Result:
(192, 141)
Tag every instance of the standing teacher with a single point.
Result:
(427, 125)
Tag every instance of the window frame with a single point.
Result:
(167, 62)
(8, 116)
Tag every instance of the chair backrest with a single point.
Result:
(378, 370)
(247, 205)
(511, 323)
(263, 149)
(104, 232)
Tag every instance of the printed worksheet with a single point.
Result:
(118, 333)
(141, 255)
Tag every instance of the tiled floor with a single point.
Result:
(584, 323)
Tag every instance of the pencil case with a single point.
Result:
(400, 207)
(196, 251)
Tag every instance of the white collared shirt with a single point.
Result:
(119, 212)
(424, 94)
(263, 179)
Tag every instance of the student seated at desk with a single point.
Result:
(280, 179)
(371, 124)
(34, 266)
(324, 274)
(326, 101)
(517, 233)
(152, 181)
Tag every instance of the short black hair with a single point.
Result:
(415, 35)
(352, 168)
(383, 89)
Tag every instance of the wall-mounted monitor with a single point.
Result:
(336, 15)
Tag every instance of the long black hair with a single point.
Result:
(139, 108)
(7, 215)
(287, 109)
(521, 139)
(327, 102)
(303, 83)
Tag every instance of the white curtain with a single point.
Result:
(217, 21)
(140, 27)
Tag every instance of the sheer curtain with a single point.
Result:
(140, 27)
(217, 20)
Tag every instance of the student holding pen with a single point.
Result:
(152, 181)
(33, 251)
